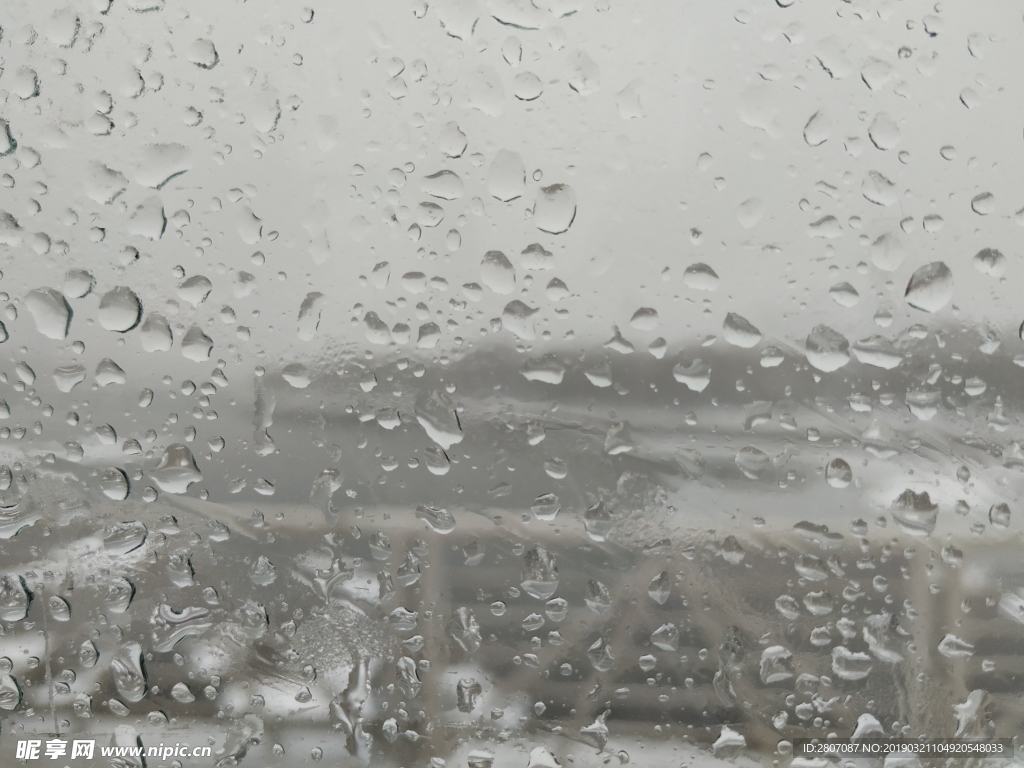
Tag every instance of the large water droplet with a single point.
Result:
(888, 252)
(555, 209)
(700, 277)
(180, 692)
(10, 693)
(440, 520)
(827, 349)
(506, 179)
(540, 574)
(497, 272)
(196, 345)
(817, 130)
(660, 588)
(850, 665)
(696, 376)
(776, 665)
(50, 311)
(444, 185)
(546, 506)
(129, 672)
(878, 189)
(666, 637)
(58, 608)
(598, 522)
(464, 629)
(120, 310)
(752, 461)
(156, 334)
(883, 132)
(952, 647)
(436, 414)
(915, 513)
(177, 469)
(14, 597)
(838, 473)
(122, 538)
(119, 595)
(170, 627)
(878, 352)
(930, 287)
(114, 484)
(740, 332)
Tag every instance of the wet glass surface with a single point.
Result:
(509, 383)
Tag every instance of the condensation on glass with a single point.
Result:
(512, 383)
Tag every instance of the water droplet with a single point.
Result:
(309, 315)
(58, 608)
(440, 520)
(436, 414)
(468, 693)
(195, 290)
(644, 319)
(203, 54)
(999, 515)
(120, 310)
(700, 277)
(129, 672)
(517, 317)
(119, 595)
(88, 656)
(776, 665)
(695, 376)
(506, 179)
(990, 262)
(983, 204)
(878, 189)
(915, 513)
(827, 349)
(555, 209)
(10, 693)
(844, 294)
(930, 287)
(14, 597)
(176, 470)
(497, 273)
(546, 507)
(750, 212)
(526, 86)
(838, 473)
(598, 522)
(453, 141)
(180, 692)
(817, 130)
(666, 637)
(888, 252)
(50, 311)
(156, 334)
(114, 484)
(739, 332)
(196, 345)
(660, 588)
(752, 461)
(952, 647)
(464, 630)
(850, 665)
(883, 132)
(444, 185)
(878, 352)
(124, 537)
(540, 574)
